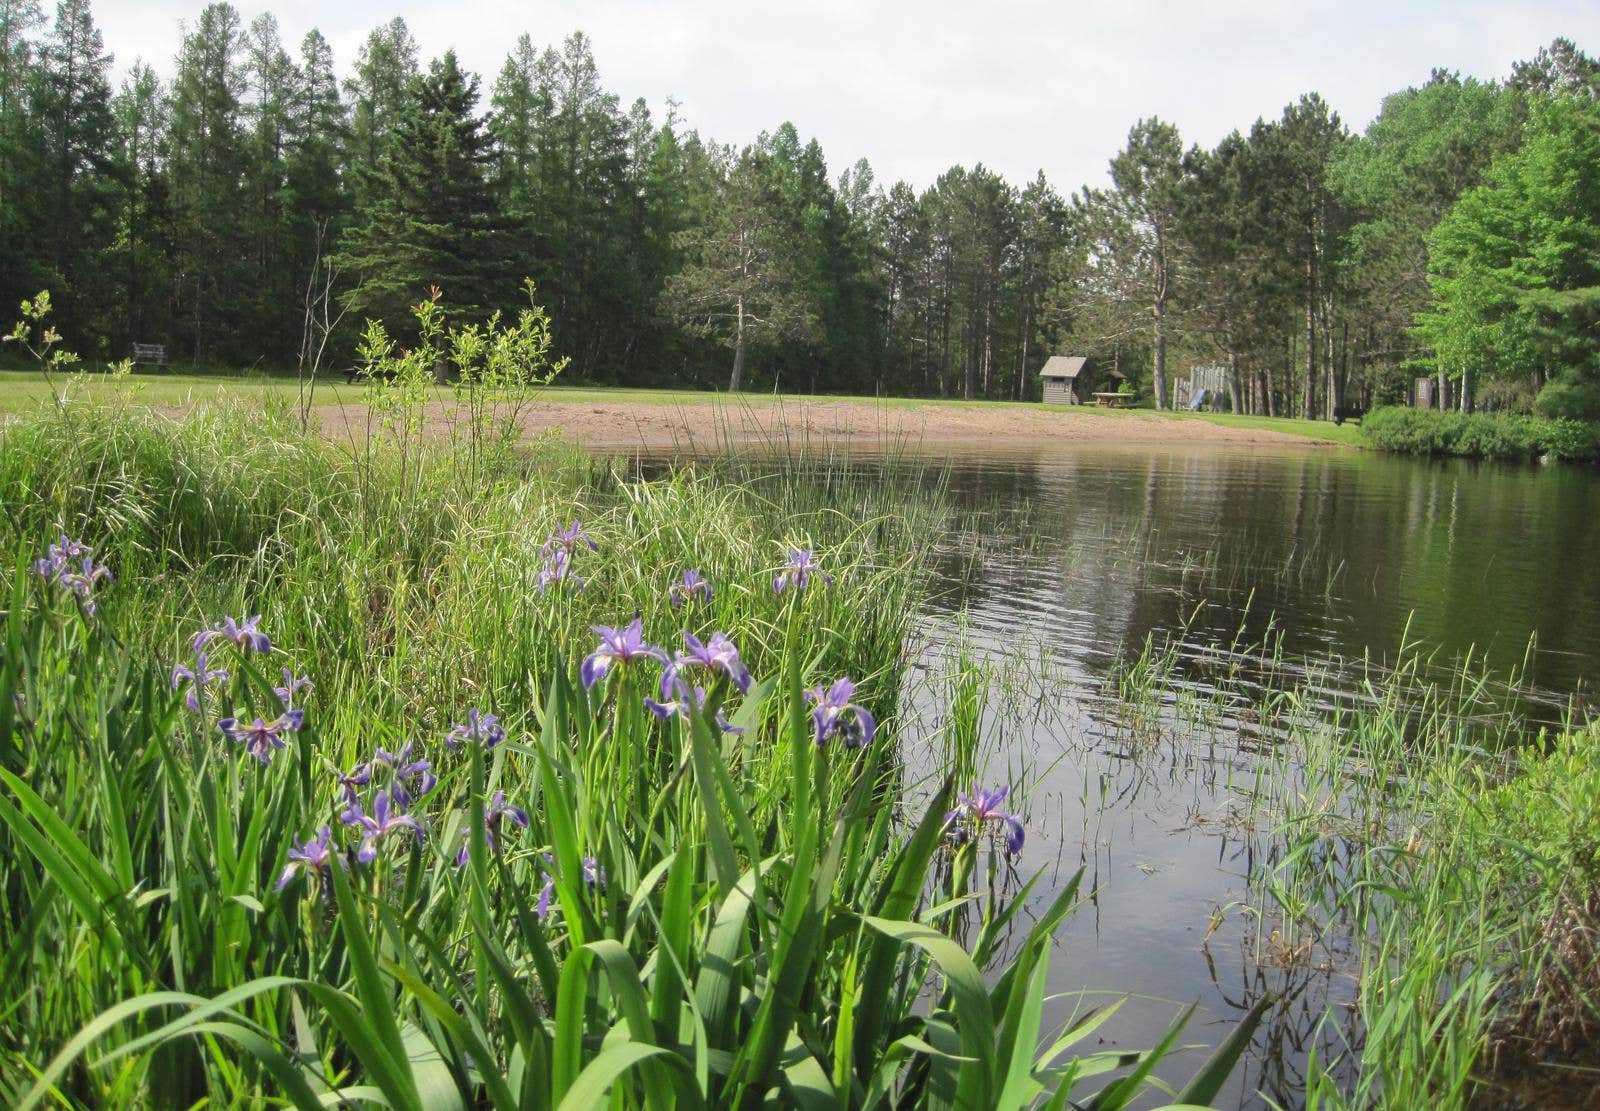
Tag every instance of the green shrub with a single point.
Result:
(1570, 397)
(1571, 439)
(1507, 436)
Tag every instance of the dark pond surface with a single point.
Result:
(1338, 558)
(1301, 567)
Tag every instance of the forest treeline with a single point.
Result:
(263, 198)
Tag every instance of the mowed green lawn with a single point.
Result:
(22, 390)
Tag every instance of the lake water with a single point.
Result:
(1309, 568)
(1339, 558)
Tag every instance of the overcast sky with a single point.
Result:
(917, 86)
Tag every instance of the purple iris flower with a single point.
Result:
(199, 676)
(593, 875)
(679, 707)
(496, 812)
(483, 728)
(797, 572)
(260, 737)
(979, 807)
(292, 686)
(617, 647)
(59, 555)
(558, 569)
(716, 654)
(244, 634)
(314, 854)
(568, 540)
(689, 588)
(386, 817)
(412, 778)
(358, 776)
(833, 714)
(70, 564)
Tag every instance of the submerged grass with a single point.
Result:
(1411, 833)
(465, 870)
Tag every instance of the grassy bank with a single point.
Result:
(468, 863)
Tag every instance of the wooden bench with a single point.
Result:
(150, 354)
(1113, 400)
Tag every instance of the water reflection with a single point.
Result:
(1255, 570)
(1338, 551)
(1334, 561)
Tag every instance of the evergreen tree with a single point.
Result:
(429, 216)
(20, 257)
(1041, 234)
(901, 235)
(1148, 176)
(144, 219)
(519, 115)
(272, 82)
(76, 188)
(1131, 276)
(1560, 69)
(317, 130)
(208, 165)
(1298, 209)
(740, 283)
(378, 95)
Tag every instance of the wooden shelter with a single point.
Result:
(1064, 380)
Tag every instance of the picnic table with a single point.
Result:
(1114, 400)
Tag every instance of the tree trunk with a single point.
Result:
(1235, 391)
(1466, 390)
(1444, 391)
(738, 347)
(989, 349)
(1330, 368)
(1022, 364)
(1158, 372)
(1308, 401)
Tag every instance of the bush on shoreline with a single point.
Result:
(1409, 431)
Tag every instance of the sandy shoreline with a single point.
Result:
(867, 425)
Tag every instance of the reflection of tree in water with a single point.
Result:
(1330, 556)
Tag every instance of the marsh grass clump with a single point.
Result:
(536, 784)
(1537, 837)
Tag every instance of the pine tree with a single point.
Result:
(19, 254)
(208, 163)
(1299, 210)
(378, 94)
(1148, 176)
(316, 132)
(1041, 231)
(740, 283)
(271, 80)
(79, 136)
(144, 220)
(429, 217)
